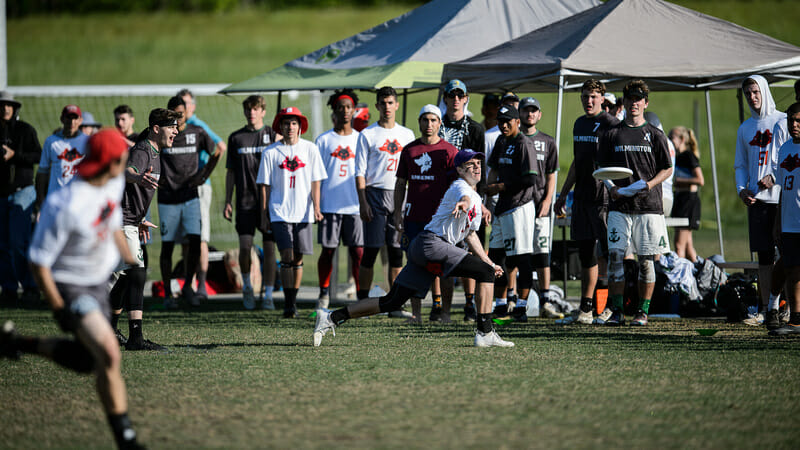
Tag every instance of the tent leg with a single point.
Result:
(280, 94)
(714, 171)
(559, 109)
(405, 105)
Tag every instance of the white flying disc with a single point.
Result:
(612, 173)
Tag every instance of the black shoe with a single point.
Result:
(120, 337)
(519, 314)
(436, 314)
(143, 344)
(772, 321)
(500, 311)
(8, 348)
(470, 315)
(31, 297)
(9, 298)
(786, 330)
(289, 313)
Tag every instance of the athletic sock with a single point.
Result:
(499, 302)
(437, 301)
(246, 280)
(644, 305)
(268, 291)
(361, 294)
(774, 302)
(586, 304)
(512, 299)
(122, 429)
(617, 302)
(135, 329)
(509, 292)
(469, 298)
(340, 316)
(485, 323)
(794, 318)
(521, 303)
(201, 282)
(323, 291)
(545, 295)
(115, 320)
(290, 295)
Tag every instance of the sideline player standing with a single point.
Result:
(245, 147)
(636, 210)
(124, 121)
(434, 252)
(755, 165)
(590, 202)
(290, 174)
(338, 194)
(376, 169)
(142, 175)
(76, 245)
(61, 153)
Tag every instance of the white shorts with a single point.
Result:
(541, 236)
(646, 234)
(204, 191)
(134, 245)
(513, 231)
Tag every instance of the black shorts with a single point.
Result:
(247, 221)
(687, 205)
(761, 222)
(588, 222)
(790, 249)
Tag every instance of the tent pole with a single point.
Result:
(405, 105)
(280, 94)
(741, 105)
(559, 108)
(714, 171)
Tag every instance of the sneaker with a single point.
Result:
(470, 315)
(754, 321)
(603, 317)
(248, 298)
(436, 314)
(187, 294)
(170, 303)
(31, 297)
(500, 311)
(323, 301)
(268, 304)
(577, 316)
(520, 314)
(198, 298)
(786, 330)
(9, 297)
(143, 344)
(551, 311)
(490, 339)
(640, 319)
(400, 314)
(772, 321)
(289, 313)
(783, 316)
(120, 337)
(323, 325)
(616, 319)
(8, 334)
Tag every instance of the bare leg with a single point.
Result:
(448, 286)
(98, 337)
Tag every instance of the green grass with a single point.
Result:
(235, 379)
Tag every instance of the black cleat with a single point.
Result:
(436, 314)
(519, 314)
(143, 344)
(8, 347)
(470, 315)
(772, 320)
(120, 337)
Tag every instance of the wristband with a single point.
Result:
(609, 184)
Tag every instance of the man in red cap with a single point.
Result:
(290, 174)
(76, 246)
(61, 154)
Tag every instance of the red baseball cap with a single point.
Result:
(361, 118)
(290, 111)
(71, 109)
(105, 147)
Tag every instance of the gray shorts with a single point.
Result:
(340, 227)
(82, 300)
(179, 220)
(429, 256)
(380, 230)
(296, 236)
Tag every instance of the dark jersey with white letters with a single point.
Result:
(585, 138)
(513, 158)
(642, 149)
(244, 156)
(544, 146)
(136, 199)
(179, 164)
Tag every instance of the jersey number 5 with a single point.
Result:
(343, 170)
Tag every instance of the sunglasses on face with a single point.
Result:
(456, 94)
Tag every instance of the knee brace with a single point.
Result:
(616, 267)
(286, 265)
(370, 254)
(297, 266)
(74, 356)
(587, 253)
(647, 269)
(395, 255)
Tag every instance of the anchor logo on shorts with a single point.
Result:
(613, 235)
(292, 164)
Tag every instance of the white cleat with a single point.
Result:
(324, 324)
(490, 339)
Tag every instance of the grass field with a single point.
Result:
(235, 379)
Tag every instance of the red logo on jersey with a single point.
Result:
(391, 147)
(762, 139)
(292, 164)
(104, 214)
(343, 153)
(791, 162)
(471, 214)
(70, 155)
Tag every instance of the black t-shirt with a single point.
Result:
(644, 150)
(17, 172)
(466, 133)
(180, 163)
(685, 163)
(244, 156)
(544, 146)
(136, 199)
(585, 137)
(512, 159)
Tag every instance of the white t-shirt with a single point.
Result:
(377, 160)
(491, 136)
(289, 170)
(789, 182)
(338, 191)
(60, 157)
(75, 234)
(445, 224)
(666, 185)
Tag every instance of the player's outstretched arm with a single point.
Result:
(475, 246)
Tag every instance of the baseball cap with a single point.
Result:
(509, 96)
(6, 97)
(88, 120)
(491, 99)
(430, 109)
(610, 97)
(529, 101)
(71, 109)
(291, 111)
(454, 84)
(507, 112)
(636, 92)
(361, 116)
(465, 155)
(105, 147)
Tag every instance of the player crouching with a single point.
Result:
(76, 246)
(434, 253)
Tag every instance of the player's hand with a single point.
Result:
(461, 206)
(614, 193)
(747, 197)
(544, 211)
(766, 183)
(144, 230)
(147, 180)
(495, 188)
(318, 215)
(560, 207)
(498, 270)
(65, 319)
(8, 152)
(264, 224)
(486, 214)
(366, 213)
(227, 212)
(398, 221)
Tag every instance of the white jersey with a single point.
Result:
(789, 181)
(60, 157)
(377, 160)
(289, 170)
(75, 234)
(445, 224)
(491, 136)
(757, 148)
(666, 185)
(338, 191)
